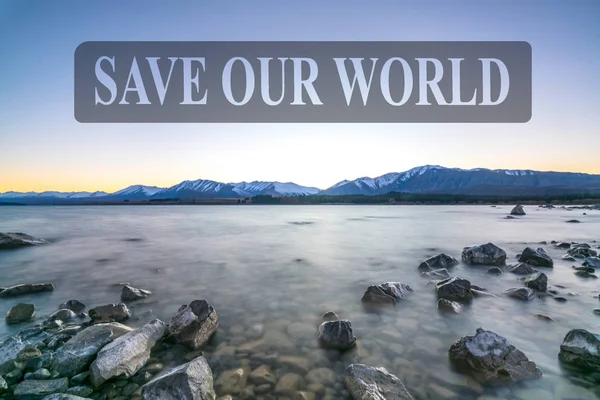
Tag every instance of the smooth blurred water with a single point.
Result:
(282, 266)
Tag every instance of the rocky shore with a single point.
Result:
(80, 353)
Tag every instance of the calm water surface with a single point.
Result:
(271, 271)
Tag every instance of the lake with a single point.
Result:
(272, 271)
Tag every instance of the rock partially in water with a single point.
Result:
(494, 271)
(290, 383)
(64, 315)
(129, 293)
(518, 210)
(190, 381)
(31, 389)
(9, 353)
(336, 335)
(592, 262)
(115, 312)
(369, 383)
(454, 289)
(193, 324)
(448, 306)
(582, 250)
(563, 245)
(573, 221)
(232, 381)
(14, 240)
(491, 359)
(441, 273)
(586, 269)
(522, 269)
(585, 274)
(386, 293)
(486, 254)
(128, 354)
(442, 260)
(537, 258)
(74, 305)
(330, 316)
(77, 353)
(26, 288)
(581, 348)
(537, 281)
(64, 396)
(520, 293)
(20, 313)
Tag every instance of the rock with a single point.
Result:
(129, 293)
(330, 316)
(537, 281)
(491, 359)
(20, 313)
(9, 352)
(586, 269)
(582, 250)
(509, 217)
(81, 391)
(194, 324)
(454, 289)
(486, 254)
(232, 381)
(369, 383)
(289, 383)
(262, 376)
(521, 269)
(543, 317)
(191, 381)
(537, 258)
(26, 288)
(441, 273)
(560, 299)
(115, 312)
(77, 353)
(323, 376)
(13, 240)
(127, 354)
(563, 245)
(448, 306)
(518, 210)
(581, 348)
(386, 293)
(494, 271)
(304, 396)
(573, 221)
(3, 385)
(440, 261)
(585, 274)
(519, 293)
(592, 262)
(336, 335)
(597, 311)
(64, 396)
(41, 373)
(38, 388)
(74, 305)
(64, 315)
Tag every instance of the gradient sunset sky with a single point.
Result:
(42, 146)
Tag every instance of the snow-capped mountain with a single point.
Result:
(201, 188)
(137, 190)
(248, 189)
(52, 194)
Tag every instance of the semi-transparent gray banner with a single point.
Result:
(303, 82)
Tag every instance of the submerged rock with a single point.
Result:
(573, 221)
(592, 262)
(582, 250)
(537, 281)
(519, 293)
(126, 355)
(64, 315)
(581, 348)
(448, 306)
(486, 254)
(336, 335)
(441, 273)
(494, 271)
(115, 312)
(193, 324)
(191, 381)
(369, 383)
(491, 359)
(585, 274)
(13, 240)
(522, 269)
(33, 388)
(26, 288)
(386, 293)
(129, 293)
(586, 269)
(20, 313)
(77, 354)
(537, 258)
(440, 261)
(518, 210)
(74, 305)
(454, 289)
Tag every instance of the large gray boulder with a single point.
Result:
(20, 313)
(454, 289)
(9, 351)
(115, 312)
(582, 250)
(491, 359)
(537, 258)
(193, 324)
(486, 254)
(77, 354)
(126, 355)
(13, 240)
(440, 261)
(74, 305)
(537, 281)
(581, 348)
(26, 288)
(336, 335)
(386, 293)
(521, 269)
(517, 210)
(592, 262)
(523, 293)
(369, 383)
(32, 389)
(191, 381)
(129, 293)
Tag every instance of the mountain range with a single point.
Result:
(424, 179)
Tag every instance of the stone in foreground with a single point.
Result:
(64, 396)
(14, 240)
(129, 293)
(74, 305)
(193, 324)
(521, 269)
(9, 351)
(440, 261)
(369, 383)
(37, 388)
(454, 289)
(592, 262)
(386, 293)
(127, 354)
(20, 313)
(78, 353)
(115, 312)
(485, 254)
(491, 359)
(191, 381)
(537, 281)
(448, 306)
(26, 288)
(537, 258)
(520, 293)
(581, 348)
(336, 335)
(518, 210)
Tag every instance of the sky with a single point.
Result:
(43, 147)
